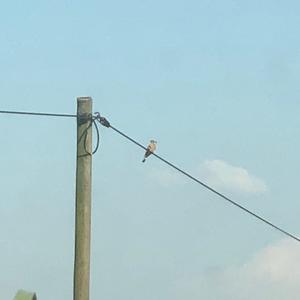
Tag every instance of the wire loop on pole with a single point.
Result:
(92, 122)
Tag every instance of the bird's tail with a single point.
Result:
(144, 160)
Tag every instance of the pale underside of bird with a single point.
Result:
(150, 149)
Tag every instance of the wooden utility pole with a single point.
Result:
(83, 200)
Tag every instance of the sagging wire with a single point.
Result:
(258, 217)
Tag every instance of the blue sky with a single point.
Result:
(216, 83)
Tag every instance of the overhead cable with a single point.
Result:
(36, 114)
(246, 210)
(103, 121)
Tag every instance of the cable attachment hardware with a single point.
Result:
(84, 118)
(101, 120)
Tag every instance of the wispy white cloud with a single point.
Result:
(221, 174)
(279, 263)
(273, 274)
(216, 173)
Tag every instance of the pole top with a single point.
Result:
(86, 98)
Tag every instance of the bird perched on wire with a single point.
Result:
(150, 149)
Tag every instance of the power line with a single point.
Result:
(84, 118)
(36, 114)
(246, 210)
(103, 121)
